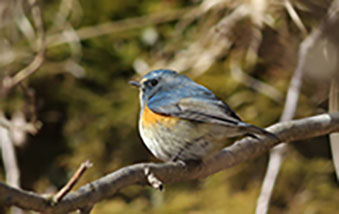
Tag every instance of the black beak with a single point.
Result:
(135, 83)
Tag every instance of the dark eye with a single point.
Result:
(154, 82)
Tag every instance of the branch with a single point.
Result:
(71, 183)
(118, 26)
(9, 158)
(170, 172)
(295, 17)
(10, 82)
(334, 137)
(264, 88)
(277, 154)
(306, 49)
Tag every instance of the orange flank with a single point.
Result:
(150, 118)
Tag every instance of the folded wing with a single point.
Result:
(208, 109)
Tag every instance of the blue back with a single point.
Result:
(174, 87)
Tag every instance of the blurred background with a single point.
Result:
(78, 105)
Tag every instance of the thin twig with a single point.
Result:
(295, 17)
(251, 82)
(259, 8)
(10, 82)
(23, 23)
(70, 184)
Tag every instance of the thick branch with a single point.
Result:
(170, 172)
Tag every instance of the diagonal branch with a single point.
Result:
(170, 172)
(71, 183)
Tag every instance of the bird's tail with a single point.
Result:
(254, 130)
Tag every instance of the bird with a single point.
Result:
(181, 120)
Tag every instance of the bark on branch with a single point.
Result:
(108, 185)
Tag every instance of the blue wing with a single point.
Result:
(199, 105)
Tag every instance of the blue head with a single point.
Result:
(160, 81)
